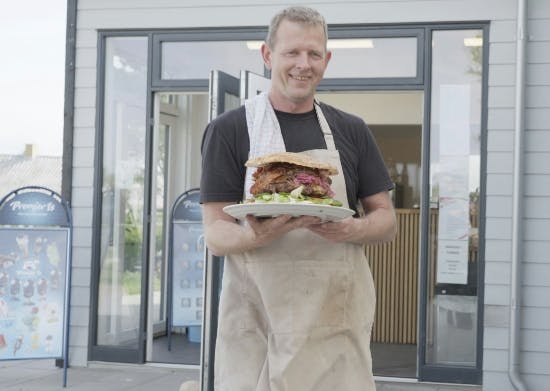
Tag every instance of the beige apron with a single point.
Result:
(297, 314)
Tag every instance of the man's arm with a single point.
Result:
(377, 226)
(224, 235)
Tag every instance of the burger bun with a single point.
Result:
(299, 159)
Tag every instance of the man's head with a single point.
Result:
(296, 53)
(300, 15)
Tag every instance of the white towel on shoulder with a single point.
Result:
(264, 133)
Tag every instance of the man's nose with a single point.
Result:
(302, 61)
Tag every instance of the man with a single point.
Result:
(297, 300)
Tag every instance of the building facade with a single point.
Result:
(457, 95)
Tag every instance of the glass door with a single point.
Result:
(117, 322)
(179, 121)
(451, 323)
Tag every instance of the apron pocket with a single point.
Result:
(320, 294)
(297, 296)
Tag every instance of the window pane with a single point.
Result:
(454, 197)
(122, 191)
(195, 60)
(372, 57)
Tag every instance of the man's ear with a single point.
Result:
(328, 56)
(266, 55)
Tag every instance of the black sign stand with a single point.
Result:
(35, 242)
(185, 226)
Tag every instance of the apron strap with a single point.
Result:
(329, 139)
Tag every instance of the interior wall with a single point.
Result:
(395, 119)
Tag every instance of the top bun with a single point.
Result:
(300, 159)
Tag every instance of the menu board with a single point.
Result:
(33, 265)
(188, 274)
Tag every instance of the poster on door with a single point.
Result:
(32, 292)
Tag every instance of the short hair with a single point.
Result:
(302, 15)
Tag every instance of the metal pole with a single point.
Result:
(515, 288)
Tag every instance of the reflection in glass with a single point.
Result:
(122, 191)
(161, 209)
(374, 57)
(454, 197)
(195, 60)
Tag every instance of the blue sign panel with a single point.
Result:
(187, 276)
(33, 264)
(187, 261)
(188, 207)
(36, 208)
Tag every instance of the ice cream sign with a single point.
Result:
(35, 231)
(32, 208)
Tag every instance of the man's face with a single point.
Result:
(297, 63)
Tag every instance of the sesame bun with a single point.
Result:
(299, 159)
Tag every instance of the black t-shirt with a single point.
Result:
(225, 148)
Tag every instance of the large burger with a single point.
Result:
(291, 177)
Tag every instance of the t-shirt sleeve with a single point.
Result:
(223, 171)
(372, 172)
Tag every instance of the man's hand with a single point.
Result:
(225, 236)
(346, 230)
(378, 225)
(264, 231)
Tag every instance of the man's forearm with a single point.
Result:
(224, 237)
(379, 226)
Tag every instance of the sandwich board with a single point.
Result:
(35, 258)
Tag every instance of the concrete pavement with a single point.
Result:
(43, 375)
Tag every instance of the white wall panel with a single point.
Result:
(495, 338)
(502, 31)
(536, 274)
(537, 162)
(536, 363)
(538, 74)
(85, 77)
(536, 208)
(83, 157)
(536, 318)
(499, 206)
(85, 97)
(495, 360)
(501, 97)
(500, 119)
(502, 53)
(537, 140)
(497, 294)
(536, 251)
(84, 137)
(496, 316)
(500, 140)
(498, 228)
(497, 272)
(82, 217)
(537, 119)
(536, 296)
(498, 251)
(538, 52)
(499, 162)
(86, 57)
(502, 75)
(496, 381)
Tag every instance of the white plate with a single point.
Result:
(272, 209)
